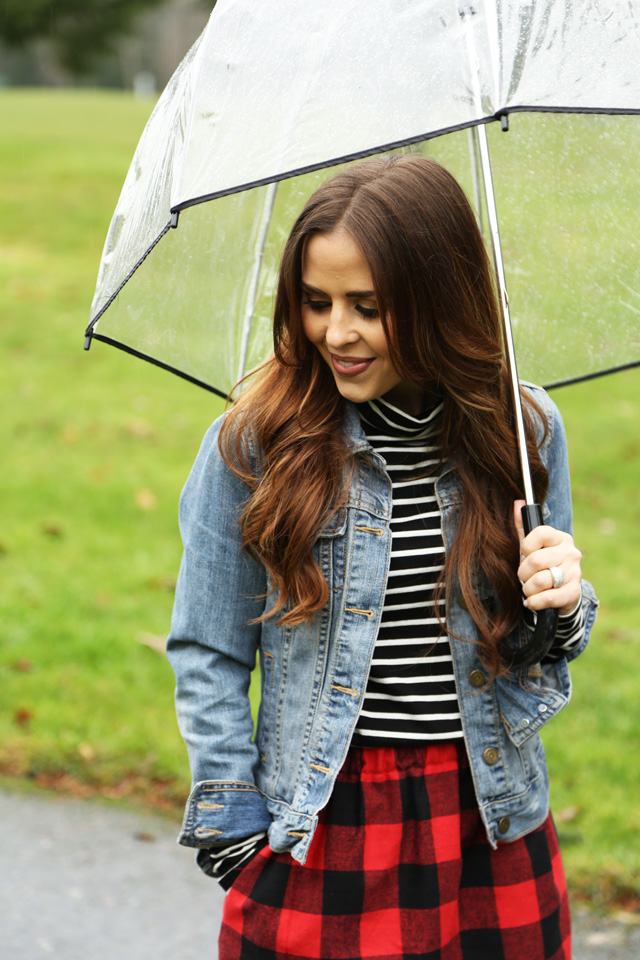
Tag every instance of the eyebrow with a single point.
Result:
(357, 294)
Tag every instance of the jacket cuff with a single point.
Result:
(220, 812)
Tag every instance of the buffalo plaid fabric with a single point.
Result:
(400, 869)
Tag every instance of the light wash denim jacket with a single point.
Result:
(314, 676)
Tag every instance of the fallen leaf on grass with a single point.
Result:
(87, 752)
(99, 474)
(23, 716)
(52, 529)
(630, 451)
(153, 641)
(626, 409)
(138, 427)
(146, 499)
(70, 433)
(606, 526)
(22, 665)
(103, 600)
(568, 814)
(163, 583)
(619, 635)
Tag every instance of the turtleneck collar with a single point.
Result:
(383, 416)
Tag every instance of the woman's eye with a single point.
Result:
(316, 305)
(368, 312)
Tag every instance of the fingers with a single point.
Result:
(517, 517)
(540, 593)
(543, 548)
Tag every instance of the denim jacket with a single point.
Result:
(313, 676)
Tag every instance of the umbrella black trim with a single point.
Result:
(89, 334)
(225, 396)
(159, 363)
(396, 145)
(601, 111)
(591, 376)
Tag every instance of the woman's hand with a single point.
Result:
(545, 548)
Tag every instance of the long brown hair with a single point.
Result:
(436, 299)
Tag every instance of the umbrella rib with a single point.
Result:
(258, 252)
(592, 376)
(177, 184)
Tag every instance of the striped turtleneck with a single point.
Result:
(411, 694)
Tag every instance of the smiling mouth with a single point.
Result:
(350, 366)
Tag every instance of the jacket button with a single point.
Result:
(477, 678)
(462, 603)
(503, 825)
(491, 756)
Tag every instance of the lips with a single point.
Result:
(350, 366)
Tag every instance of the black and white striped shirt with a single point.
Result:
(411, 694)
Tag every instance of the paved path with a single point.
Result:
(83, 880)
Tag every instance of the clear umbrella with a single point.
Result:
(275, 94)
(272, 91)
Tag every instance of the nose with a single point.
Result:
(341, 328)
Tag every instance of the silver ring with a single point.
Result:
(556, 576)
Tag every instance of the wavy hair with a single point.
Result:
(437, 303)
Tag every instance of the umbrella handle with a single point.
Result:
(547, 620)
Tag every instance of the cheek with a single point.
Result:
(378, 342)
(311, 327)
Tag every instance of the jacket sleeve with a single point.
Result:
(557, 508)
(212, 649)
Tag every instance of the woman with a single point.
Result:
(355, 520)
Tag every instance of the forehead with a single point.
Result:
(335, 257)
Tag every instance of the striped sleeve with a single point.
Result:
(568, 635)
(225, 862)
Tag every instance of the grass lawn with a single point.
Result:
(95, 449)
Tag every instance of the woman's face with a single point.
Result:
(340, 317)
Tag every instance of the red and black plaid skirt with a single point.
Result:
(400, 869)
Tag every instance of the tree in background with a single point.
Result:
(80, 30)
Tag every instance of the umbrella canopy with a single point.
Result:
(273, 94)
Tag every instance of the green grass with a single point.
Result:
(95, 449)
(593, 745)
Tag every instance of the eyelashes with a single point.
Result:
(318, 306)
(367, 312)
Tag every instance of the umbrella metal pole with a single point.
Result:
(494, 232)
(546, 620)
(467, 13)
